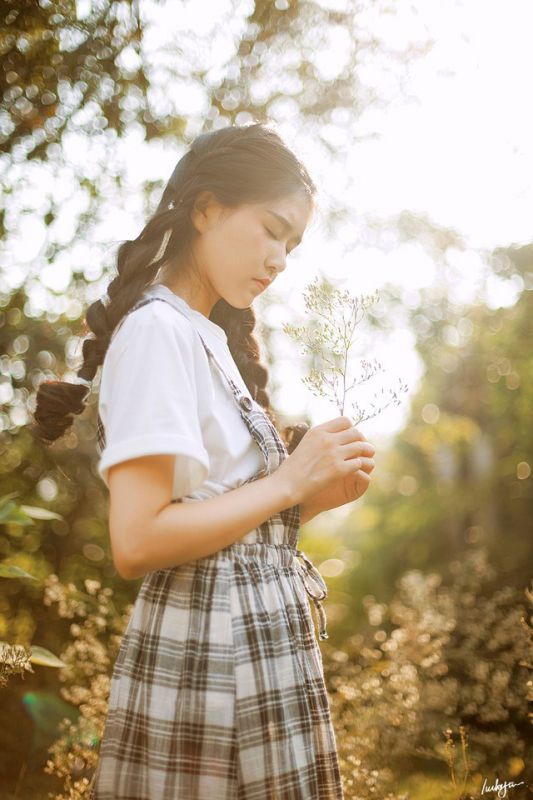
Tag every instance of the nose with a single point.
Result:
(277, 264)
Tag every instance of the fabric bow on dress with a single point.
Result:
(315, 587)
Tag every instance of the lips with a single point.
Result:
(263, 281)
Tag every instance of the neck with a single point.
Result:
(200, 297)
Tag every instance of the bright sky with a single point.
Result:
(457, 147)
(464, 151)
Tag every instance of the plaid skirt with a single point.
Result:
(218, 688)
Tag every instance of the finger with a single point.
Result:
(336, 424)
(363, 477)
(351, 434)
(360, 448)
(367, 465)
(359, 464)
(361, 481)
(359, 485)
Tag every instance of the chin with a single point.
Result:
(235, 302)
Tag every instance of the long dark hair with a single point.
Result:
(239, 164)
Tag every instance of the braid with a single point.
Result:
(239, 326)
(138, 262)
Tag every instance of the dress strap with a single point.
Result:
(237, 392)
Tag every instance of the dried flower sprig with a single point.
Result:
(329, 338)
(15, 659)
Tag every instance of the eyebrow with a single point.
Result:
(285, 222)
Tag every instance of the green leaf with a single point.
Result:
(40, 513)
(12, 513)
(5, 497)
(42, 656)
(10, 571)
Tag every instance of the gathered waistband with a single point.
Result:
(282, 555)
(277, 554)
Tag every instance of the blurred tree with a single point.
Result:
(460, 472)
(58, 63)
(89, 66)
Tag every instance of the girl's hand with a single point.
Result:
(342, 491)
(330, 454)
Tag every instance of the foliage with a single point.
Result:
(377, 681)
(57, 63)
(16, 659)
(527, 622)
(459, 472)
(89, 658)
(435, 658)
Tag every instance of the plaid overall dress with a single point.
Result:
(218, 688)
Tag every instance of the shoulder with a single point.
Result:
(156, 323)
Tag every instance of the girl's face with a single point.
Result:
(236, 248)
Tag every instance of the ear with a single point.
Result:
(205, 210)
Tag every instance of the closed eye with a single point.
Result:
(276, 238)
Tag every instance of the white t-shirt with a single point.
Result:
(160, 394)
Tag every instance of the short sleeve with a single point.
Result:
(149, 396)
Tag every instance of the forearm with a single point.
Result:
(183, 532)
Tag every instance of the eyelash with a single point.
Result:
(276, 238)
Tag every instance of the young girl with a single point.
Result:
(218, 689)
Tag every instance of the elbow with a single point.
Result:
(126, 571)
(127, 563)
(124, 568)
